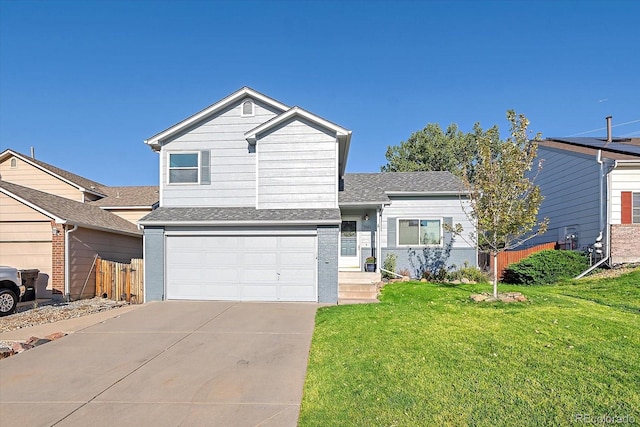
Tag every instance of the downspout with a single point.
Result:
(602, 224)
(67, 264)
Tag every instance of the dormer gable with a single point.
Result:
(247, 109)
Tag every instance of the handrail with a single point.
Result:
(391, 272)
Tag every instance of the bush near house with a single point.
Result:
(546, 267)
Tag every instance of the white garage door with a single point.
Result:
(242, 268)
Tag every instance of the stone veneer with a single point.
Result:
(625, 243)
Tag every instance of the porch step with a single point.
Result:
(358, 278)
(357, 292)
(346, 301)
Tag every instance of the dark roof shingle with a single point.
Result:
(76, 213)
(242, 214)
(372, 188)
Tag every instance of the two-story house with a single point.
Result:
(255, 204)
(592, 194)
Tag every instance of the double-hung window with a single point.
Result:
(183, 168)
(635, 210)
(419, 232)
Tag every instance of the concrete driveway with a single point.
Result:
(167, 364)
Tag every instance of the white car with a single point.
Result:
(11, 289)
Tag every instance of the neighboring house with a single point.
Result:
(255, 205)
(130, 203)
(31, 222)
(592, 186)
(61, 238)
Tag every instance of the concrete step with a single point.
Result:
(357, 295)
(357, 287)
(357, 291)
(358, 277)
(356, 301)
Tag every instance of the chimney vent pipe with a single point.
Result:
(609, 138)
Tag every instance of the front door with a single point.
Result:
(349, 244)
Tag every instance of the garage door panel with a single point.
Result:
(242, 267)
(298, 242)
(258, 292)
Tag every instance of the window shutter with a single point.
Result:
(205, 167)
(627, 207)
(391, 232)
(447, 236)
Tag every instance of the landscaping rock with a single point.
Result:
(35, 341)
(479, 297)
(56, 335)
(423, 280)
(6, 352)
(506, 297)
(19, 347)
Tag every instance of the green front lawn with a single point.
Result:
(427, 355)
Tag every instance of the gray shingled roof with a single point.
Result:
(138, 196)
(78, 180)
(372, 188)
(245, 214)
(76, 213)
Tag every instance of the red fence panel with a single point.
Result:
(509, 257)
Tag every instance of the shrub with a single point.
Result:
(389, 264)
(404, 272)
(470, 273)
(546, 267)
(431, 262)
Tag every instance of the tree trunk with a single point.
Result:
(495, 274)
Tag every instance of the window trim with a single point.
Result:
(169, 168)
(439, 219)
(253, 108)
(635, 210)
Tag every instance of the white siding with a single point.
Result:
(233, 167)
(622, 179)
(297, 167)
(426, 208)
(569, 183)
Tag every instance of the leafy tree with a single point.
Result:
(503, 200)
(431, 149)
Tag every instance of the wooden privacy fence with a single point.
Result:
(119, 281)
(509, 257)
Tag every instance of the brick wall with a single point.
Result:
(625, 243)
(57, 260)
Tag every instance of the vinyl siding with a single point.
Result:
(84, 244)
(445, 208)
(297, 167)
(25, 241)
(622, 179)
(570, 186)
(232, 163)
(29, 176)
(425, 208)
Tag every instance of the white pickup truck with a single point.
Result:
(11, 289)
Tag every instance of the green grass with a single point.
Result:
(427, 355)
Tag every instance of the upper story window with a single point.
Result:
(636, 208)
(419, 232)
(183, 168)
(248, 109)
(14, 163)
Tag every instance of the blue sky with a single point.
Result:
(85, 82)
